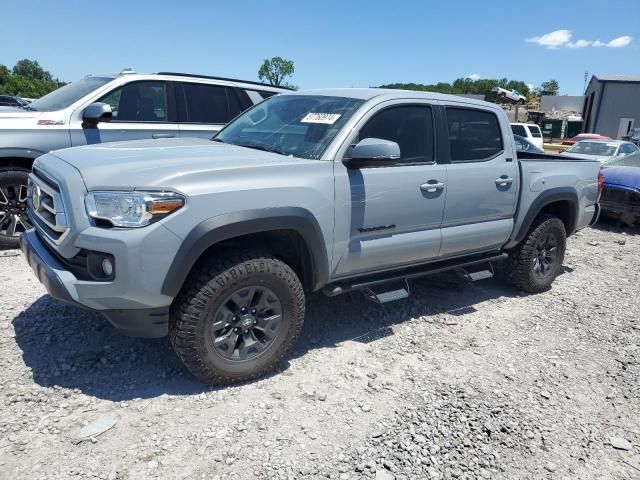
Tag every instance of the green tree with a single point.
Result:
(275, 70)
(550, 87)
(5, 73)
(27, 79)
(482, 86)
(32, 70)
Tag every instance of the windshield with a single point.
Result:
(594, 148)
(70, 93)
(296, 125)
(632, 160)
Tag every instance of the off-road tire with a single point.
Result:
(206, 289)
(11, 176)
(519, 267)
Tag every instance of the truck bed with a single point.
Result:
(561, 178)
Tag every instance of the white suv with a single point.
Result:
(529, 131)
(109, 108)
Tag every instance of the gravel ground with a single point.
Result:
(459, 381)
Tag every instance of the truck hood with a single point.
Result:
(164, 163)
(584, 156)
(627, 178)
(15, 112)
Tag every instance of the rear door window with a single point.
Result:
(535, 131)
(519, 130)
(474, 135)
(210, 104)
(138, 102)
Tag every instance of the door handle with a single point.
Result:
(163, 135)
(432, 186)
(504, 181)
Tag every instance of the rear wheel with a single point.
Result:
(13, 205)
(237, 318)
(535, 263)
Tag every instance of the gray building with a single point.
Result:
(612, 105)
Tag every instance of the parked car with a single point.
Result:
(529, 131)
(621, 189)
(215, 242)
(633, 136)
(107, 108)
(524, 145)
(600, 150)
(511, 95)
(10, 101)
(584, 136)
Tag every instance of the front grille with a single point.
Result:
(46, 207)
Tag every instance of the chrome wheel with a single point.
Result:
(246, 323)
(13, 210)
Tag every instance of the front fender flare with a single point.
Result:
(224, 227)
(13, 152)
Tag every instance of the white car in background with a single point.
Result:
(601, 150)
(529, 131)
(512, 95)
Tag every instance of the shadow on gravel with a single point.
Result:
(607, 224)
(72, 348)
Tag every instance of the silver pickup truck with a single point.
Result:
(109, 108)
(216, 242)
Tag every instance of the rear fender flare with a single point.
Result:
(547, 197)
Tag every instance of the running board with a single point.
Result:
(387, 295)
(478, 274)
(363, 283)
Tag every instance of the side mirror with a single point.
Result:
(373, 152)
(95, 113)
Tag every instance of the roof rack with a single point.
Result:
(191, 75)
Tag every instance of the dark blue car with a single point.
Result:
(621, 193)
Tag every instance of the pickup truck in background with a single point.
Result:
(108, 108)
(216, 242)
(511, 95)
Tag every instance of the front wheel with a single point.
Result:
(535, 262)
(237, 318)
(13, 205)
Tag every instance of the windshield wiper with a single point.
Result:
(260, 147)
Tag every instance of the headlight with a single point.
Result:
(132, 209)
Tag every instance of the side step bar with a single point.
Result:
(366, 283)
(387, 295)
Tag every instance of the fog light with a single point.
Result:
(107, 267)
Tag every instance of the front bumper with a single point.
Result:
(150, 322)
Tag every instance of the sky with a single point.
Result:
(348, 43)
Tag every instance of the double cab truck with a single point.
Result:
(108, 108)
(215, 242)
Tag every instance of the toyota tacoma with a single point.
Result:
(215, 242)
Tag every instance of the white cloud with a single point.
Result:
(579, 44)
(620, 42)
(562, 38)
(554, 39)
(473, 76)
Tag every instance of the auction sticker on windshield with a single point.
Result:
(327, 118)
